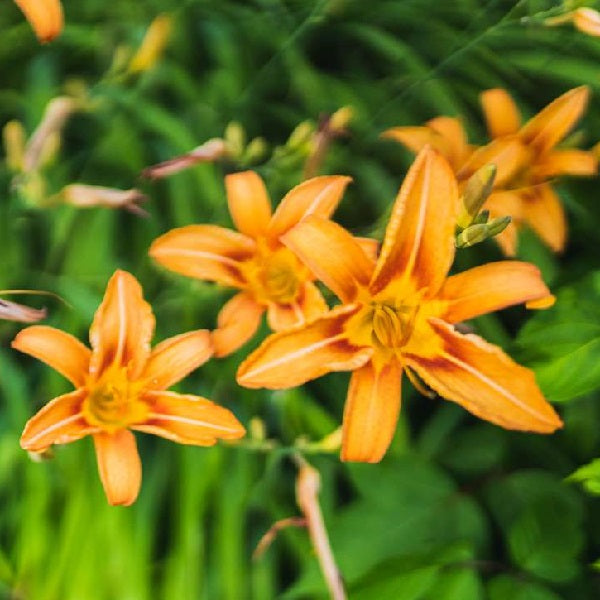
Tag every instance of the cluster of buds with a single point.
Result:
(584, 18)
(473, 224)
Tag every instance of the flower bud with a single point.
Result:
(153, 44)
(44, 16)
(477, 190)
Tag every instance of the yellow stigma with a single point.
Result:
(113, 401)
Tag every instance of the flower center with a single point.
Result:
(391, 326)
(113, 401)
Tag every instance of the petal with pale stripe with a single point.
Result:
(491, 287)
(119, 466)
(56, 348)
(544, 213)
(176, 357)
(415, 138)
(237, 323)
(249, 203)
(189, 419)
(317, 196)
(553, 123)
(309, 305)
(122, 328)
(501, 113)
(452, 130)
(290, 358)
(333, 255)
(371, 412)
(206, 252)
(419, 239)
(565, 162)
(485, 381)
(59, 422)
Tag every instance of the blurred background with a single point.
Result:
(458, 509)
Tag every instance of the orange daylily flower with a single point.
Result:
(45, 16)
(121, 386)
(397, 315)
(268, 275)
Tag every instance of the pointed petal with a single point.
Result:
(565, 162)
(123, 326)
(11, 311)
(491, 287)
(176, 357)
(452, 130)
(553, 123)
(249, 203)
(501, 113)
(369, 246)
(293, 357)
(308, 306)
(485, 381)
(119, 466)
(59, 422)
(189, 419)
(371, 412)
(507, 203)
(419, 240)
(317, 196)
(238, 321)
(205, 252)
(545, 215)
(61, 351)
(587, 20)
(332, 254)
(416, 138)
(45, 16)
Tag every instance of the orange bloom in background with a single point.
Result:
(527, 159)
(587, 20)
(45, 16)
(121, 386)
(397, 315)
(269, 276)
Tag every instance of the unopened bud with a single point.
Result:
(587, 20)
(257, 430)
(301, 135)
(14, 144)
(340, 119)
(87, 196)
(471, 235)
(498, 225)
(44, 16)
(235, 138)
(255, 150)
(153, 44)
(477, 190)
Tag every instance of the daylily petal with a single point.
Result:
(249, 203)
(565, 162)
(317, 196)
(452, 130)
(371, 412)
(501, 113)
(293, 357)
(508, 154)
(332, 254)
(553, 123)
(237, 323)
(119, 466)
(485, 381)
(123, 327)
(491, 287)
(419, 240)
(189, 419)
(587, 20)
(45, 16)
(59, 422)
(369, 246)
(545, 215)
(61, 351)
(172, 359)
(11, 311)
(205, 252)
(308, 306)
(415, 138)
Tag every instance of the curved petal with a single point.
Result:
(565, 162)
(59, 422)
(333, 255)
(249, 203)
(63, 352)
(119, 466)
(308, 306)
(206, 252)
(172, 359)
(45, 16)
(544, 213)
(123, 327)
(553, 123)
(419, 239)
(238, 321)
(452, 130)
(491, 287)
(11, 311)
(501, 113)
(485, 381)
(317, 196)
(189, 419)
(416, 138)
(295, 356)
(371, 412)
(587, 20)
